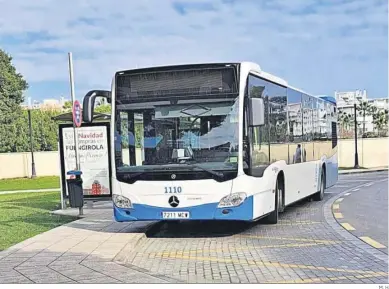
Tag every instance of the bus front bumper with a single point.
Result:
(141, 212)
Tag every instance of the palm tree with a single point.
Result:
(364, 109)
(380, 120)
(345, 120)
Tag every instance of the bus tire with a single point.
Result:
(281, 195)
(320, 194)
(272, 218)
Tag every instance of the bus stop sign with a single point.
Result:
(77, 113)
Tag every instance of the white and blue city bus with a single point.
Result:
(219, 141)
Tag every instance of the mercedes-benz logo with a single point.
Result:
(173, 176)
(173, 201)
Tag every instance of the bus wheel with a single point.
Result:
(320, 194)
(280, 193)
(273, 217)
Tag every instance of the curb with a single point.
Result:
(346, 172)
(348, 236)
(122, 256)
(155, 275)
(334, 211)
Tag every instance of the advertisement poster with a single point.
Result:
(93, 155)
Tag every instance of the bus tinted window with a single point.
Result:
(295, 126)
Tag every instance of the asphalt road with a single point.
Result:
(308, 245)
(366, 208)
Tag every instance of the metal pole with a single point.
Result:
(33, 173)
(62, 189)
(72, 97)
(356, 164)
(80, 210)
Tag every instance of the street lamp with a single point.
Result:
(33, 173)
(356, 163)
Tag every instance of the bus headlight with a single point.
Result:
(232, 200)
(121, 202)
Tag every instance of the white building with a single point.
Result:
(45, 104)
(347, 98)
(345, 102)
(380, 103)
(33, 105)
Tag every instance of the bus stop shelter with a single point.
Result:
(93, 153)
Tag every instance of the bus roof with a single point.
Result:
(328, 98)
(251, 65)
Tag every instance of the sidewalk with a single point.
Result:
(359, 171)
(30, 191)
(82, 251)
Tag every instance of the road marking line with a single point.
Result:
(220, 250)
(368, 185)
(347, 226)
(289, 239)
(340, 186)
(294, 223)
(347, 194)
(338, 215)
(372, 242)
(324, 279)
(277, 264)
(339, 200)
(335, 206)
(354, 181)
(330, 192)
(355, 190)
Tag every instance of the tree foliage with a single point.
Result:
(104, 108)
(12, 86)
(380, 121)
(364, 108)
(346, 123)
(67, 106)
(44, 132)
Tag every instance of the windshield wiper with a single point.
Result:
(130, 175)
(212, 172)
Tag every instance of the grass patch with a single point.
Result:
(24, 215)
(29, 184)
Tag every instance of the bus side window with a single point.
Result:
(258, 137)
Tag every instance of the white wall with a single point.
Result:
(372, 153)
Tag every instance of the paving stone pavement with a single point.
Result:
(307, 246)
(78, 252)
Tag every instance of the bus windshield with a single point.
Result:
(200, 136)
(177, 122)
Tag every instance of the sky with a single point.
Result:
(319, 46)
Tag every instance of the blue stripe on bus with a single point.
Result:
(331, 173)
(210, 211)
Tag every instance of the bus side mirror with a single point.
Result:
(88, 105)
(256, 111)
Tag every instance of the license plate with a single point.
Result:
(175, 215)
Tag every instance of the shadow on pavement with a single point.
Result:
(217, 228)
(197, 229)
